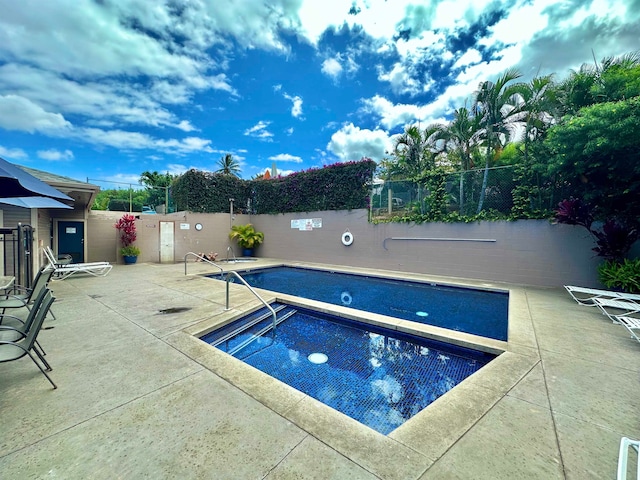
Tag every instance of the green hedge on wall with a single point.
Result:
(340, 186)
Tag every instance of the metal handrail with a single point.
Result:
(204, 260)
(229, 249)
(235, 274)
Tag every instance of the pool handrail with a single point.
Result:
(203, 259)
(237, 275)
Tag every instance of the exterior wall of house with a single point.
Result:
(531, 252)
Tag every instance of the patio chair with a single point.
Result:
(587, 296)
(632, 324)
(611, 308)
(65, 270)
(24, 342)
(12, 328)
(24, 297)
(623, 456)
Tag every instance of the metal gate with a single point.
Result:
(17, 253)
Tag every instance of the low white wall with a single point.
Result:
(531, 252)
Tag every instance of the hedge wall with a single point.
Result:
(340, 186)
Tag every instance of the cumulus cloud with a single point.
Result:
(331, 68)
(352, 143)
(296, 109)
(259, 130)
(285, 157)
(21, 114)
(55, 155)
(12, 153)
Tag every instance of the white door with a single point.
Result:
(166, 242)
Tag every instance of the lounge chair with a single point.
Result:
(24, 342)
(611, 308)
(623, 455)
(587, 296)
(20, 296)
(65, 270)
(630, 323)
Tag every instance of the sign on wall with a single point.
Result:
(306, 224)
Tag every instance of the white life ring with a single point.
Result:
(346, 298)
(347, 238)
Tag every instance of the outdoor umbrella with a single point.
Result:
(34, 202)
(15, 182)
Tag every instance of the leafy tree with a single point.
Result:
(157, 185)
(228, 166)
(120, 196)
(598, 153)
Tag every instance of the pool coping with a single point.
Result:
(422, 439)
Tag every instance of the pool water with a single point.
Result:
(376, 376)
(479, 312)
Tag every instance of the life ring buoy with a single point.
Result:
(346, 298)
(347, 238)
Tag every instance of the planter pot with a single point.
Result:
(247, 252)
(130, 259)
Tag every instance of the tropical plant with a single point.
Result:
(416, 151)
(228, 165)
(126, 227)
(130, 251)
(497, 105)
(623, 276)
(246, 236)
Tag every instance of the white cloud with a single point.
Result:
(259, 130)
(296, 109)
(185, 126)
(55, 155)
(471, 56)
(393, 115)
(331, 68)
(285, 157)
(289, 131)
(21, 114)
(352, 143)
(13, 153)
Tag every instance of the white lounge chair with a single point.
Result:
(611, 308)
(632, 324)
(587, 296)
(62, 271)
(623, 455)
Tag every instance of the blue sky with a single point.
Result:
(107, 89)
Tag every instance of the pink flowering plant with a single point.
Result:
(126, 227)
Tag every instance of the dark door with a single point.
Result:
(71, 240)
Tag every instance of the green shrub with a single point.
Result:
(623, 276)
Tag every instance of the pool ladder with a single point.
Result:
(258, 334)
(202, 259)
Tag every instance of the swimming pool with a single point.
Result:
(376, 376)
(479, 312)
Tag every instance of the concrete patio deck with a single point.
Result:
(139, 397)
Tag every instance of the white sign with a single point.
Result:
(71, 230)
(185, 226)
(306, 224)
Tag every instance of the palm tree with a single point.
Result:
(228, 165)
(416, 151)
(462, 136)
(497, 105)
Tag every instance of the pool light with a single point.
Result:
(318, 358)
(422, 314)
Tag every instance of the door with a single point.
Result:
(71, 240)
(166, 242)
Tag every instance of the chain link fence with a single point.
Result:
(463, 194)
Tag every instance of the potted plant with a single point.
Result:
(126, 227)
(247, 237)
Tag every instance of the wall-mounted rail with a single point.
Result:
(203, 259)
(236, 275)
(434, 239)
